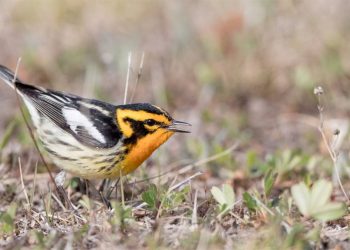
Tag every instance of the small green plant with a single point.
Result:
(174, 198)
(314, 202)
(74, 183)
(281, 163)
(154, 197)
(250, 202)
(225, 197)
(151, 197)
(300, 238)
(268, 182)
(7, 218)
(121, 215)
(8, 132)
(287, 161)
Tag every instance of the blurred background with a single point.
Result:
(239, 71)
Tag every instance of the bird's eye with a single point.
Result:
(150, 122)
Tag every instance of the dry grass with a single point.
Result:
(238, 71)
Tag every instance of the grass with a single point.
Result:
(265, 153)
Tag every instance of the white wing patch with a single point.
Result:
(74, 118)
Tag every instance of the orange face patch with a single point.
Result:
(144, 148)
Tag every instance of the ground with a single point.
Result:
(264, 85)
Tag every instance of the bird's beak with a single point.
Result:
(177, 126)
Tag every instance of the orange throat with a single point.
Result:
(143, 149)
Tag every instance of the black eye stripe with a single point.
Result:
(140, 125)
(149, 122)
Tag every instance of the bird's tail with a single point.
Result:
(8, 76)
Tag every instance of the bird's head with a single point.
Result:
(141, 120)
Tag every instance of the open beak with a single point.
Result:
(177, 126)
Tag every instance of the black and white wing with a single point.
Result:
(91, 122)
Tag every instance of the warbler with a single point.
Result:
(92, 139)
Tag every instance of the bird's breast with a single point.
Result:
(143, 149)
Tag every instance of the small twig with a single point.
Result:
(318, 91)
(283, 223)
(237, 217)
(184, 181)
(58, 201)
(335, 139)
(139, 74)
(339, 180)
(22, 182)
(211, 158)
(127, 78)
(172, 188)
(219, 216)
(47, 206)
(34, 184)
(164, 197)
(122, 188)
(263, 205)
(194, 220)
(41, 177)
(328, 146)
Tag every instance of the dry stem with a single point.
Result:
(330, 148)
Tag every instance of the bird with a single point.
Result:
(92, 139)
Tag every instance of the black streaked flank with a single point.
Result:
(102, 168)
(106, 160)
(59, 156)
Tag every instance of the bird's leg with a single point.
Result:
(59, 180)
(106, 201)
(103, 198)
(110, 190)
(105, 183)
(87, 184)
(102, 185)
